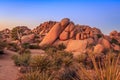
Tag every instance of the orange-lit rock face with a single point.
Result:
(74, 36)
(65, 30)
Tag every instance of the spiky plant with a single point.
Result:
(110, 70)
(36, 75)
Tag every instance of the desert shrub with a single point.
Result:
(81, 58)
(21, 60)
(25, 45)
(67, 58)
(42, 63)
(61, 59)
(51, 51)
(36, 75)
(3, 45)
(99, 35)
(34, 47)
(68, 74)
(13, 47)
(61, 46)
(46, 47)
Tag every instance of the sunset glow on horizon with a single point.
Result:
(103, 14)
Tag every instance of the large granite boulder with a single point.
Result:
(76, 45)
(52, 35)
(105, 43)
(68, 32)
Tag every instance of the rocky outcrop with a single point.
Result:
(98, 48)
(67, 32)
(27, 38)
(52, 35)
(44, 28)
(105, 43)
(54, 32)
(76, 38)
(76, 45)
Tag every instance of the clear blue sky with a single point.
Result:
(103, 14)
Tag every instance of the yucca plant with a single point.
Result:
(68, 74)
(36, 75)
(110, 70)
(40, 62)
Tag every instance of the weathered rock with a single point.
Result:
(27, 38)
(76, 45)
(67, 33)
(15, 42)
(88, 30)
(44, 28)
(88, 35)
(64, 22)
(98, 48)
(52, 35)
(72, 34)
(105, 43)
(82, 36)
(91, 34)
(96, 31)
(70, 27)
(90, 41)
(64, 36)
(113, 33)
(116, 47)
(95, 37)
(78, 36)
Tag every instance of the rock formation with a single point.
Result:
(76, 38)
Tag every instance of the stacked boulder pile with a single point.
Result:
(77, 38)
(43, 28)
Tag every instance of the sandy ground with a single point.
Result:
(8, 71)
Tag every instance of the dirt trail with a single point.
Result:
(8, 71)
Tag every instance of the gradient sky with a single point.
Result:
(103, 14)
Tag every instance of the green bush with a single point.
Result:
(21, 60)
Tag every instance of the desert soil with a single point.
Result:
(8, 71)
